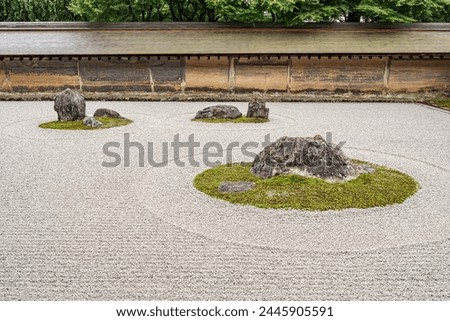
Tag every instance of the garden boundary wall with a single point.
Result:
(225, 62)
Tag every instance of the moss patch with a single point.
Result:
(78, 124)
(239, 120)
(443, 103)
(383, 187)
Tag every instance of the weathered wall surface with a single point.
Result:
(44, 75)
(203, 75)
(4, 81)
(339, 75)
(419, 76)
(264, 75)
(113, 75)
(234, 75)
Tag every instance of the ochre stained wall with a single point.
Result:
(419, 76)
(5, 83)
(276, 74)
(206, 75)
(265, 75)
(41, 75)
(338, 75)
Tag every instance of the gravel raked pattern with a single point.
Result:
(71, 229)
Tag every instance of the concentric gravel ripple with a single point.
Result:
(412, 222)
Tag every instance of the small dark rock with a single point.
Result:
(105, 112)
(257, 110)
(219, 111)
(368, 169)
(91, 122)
(70, 105)
(309, 157)
(236, 187)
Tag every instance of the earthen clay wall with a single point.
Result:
(360, 76)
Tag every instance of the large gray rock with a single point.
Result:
(219, 111)
(70, 105)
(236, 187)
(91, 122)
(257, 110)
(105, 112)
(309, 157)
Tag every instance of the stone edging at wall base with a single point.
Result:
(200, 96)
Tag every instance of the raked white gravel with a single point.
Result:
(71, 229)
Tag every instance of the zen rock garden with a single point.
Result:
(304, 156)
(293, 172)
(70, 107)
(257, 113)
(306, 173)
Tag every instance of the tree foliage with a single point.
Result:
(288, 12)
(120, 10)
(35, 10)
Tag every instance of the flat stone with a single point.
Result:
(105, 112)
(219, 111)
(236, 187)
(257, 110)
(91, 122)
(70, 105)
(308, 157)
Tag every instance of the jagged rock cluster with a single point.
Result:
(70, 105)
(255, 110)
(309, 157)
